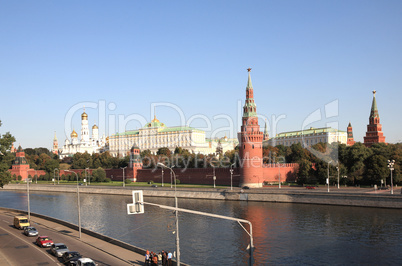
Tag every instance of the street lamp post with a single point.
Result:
(78, 203)
(89, 176)
(391, 168)
(162, 177)
(54, 175)
(231, 176)
(124, 183)
(176, 211)
(214, 177)
(279, 169)
(328, 175)
(36, 177)
(337, 168)
(29, 205)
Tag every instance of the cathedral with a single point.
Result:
(86, 143)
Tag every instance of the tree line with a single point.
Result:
(356, 165)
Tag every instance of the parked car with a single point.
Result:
(59, 249)
(44, 241)
(71, 257)
(30, 231)
(85, 262)
(245, 187)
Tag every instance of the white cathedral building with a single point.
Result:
(88, 144)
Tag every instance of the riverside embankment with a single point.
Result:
(358, 197)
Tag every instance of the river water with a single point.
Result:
(284, 234)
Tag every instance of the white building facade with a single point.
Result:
(87, 143)
(155, 135)
(309, 137)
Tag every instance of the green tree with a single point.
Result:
(50, 165)
(304, 172)
(376, 169)
(99, 175)
(6, 140)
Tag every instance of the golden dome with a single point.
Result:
(74, 134)
(95, 127)
(84, 116)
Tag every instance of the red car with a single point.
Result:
(44, 241)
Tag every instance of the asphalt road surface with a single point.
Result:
(18, 249)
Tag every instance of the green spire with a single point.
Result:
(374, 110)
(350, 125)
(249, 84)
(249, 108)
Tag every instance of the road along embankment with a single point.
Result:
(344, 197)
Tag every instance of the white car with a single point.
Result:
(85, 262)
(59, 249)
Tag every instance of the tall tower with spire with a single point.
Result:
(55, 145)
(350, 141)
(374, 132)
(250, 139)
(84, 128)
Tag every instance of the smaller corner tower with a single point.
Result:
(374, 132)
(135, 161)
(350, 141)
(20, 165)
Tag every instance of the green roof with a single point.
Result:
(160, 130)
(309, 131)
(132, 132)
(171, 129)
(374, 109)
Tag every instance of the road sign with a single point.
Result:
(137, 206)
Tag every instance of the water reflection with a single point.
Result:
(284, 234)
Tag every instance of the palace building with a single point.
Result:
(155, 135)
(86, 143)
(309, 137)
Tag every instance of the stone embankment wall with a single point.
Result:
(284, 195)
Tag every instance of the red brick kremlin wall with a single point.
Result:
(202, 176)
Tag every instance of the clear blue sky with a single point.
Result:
(59, 55)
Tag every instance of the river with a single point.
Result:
(284, 233)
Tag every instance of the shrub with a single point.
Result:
(108, 180)
(177, 181)
(127, 181)
(150, 182)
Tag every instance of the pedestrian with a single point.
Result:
(160, 258)
(169, 257)
(164, 258)
(147, 257)
(154, 260)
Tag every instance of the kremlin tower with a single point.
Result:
(350, 141)
(250, 139)
(55, 145)
(374, 132)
